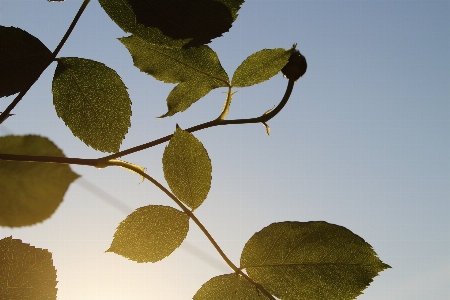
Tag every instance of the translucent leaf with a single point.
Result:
(92, 101)
(174, 23)
(150, 233)
(198, 68)
(26, 272)
(312, 260)
(187, 168)
(260, 66)
(228, 287)
(22, 58)
(30, 192)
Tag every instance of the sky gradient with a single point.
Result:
(363, 143)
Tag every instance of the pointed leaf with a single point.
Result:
(30, 192)
(187, 168)
(199, 68)
(150, 233)
(174, 23)
(184, 95)
(260, 66)
(92, 101)
(22, 58)
(228, 287)
(26, 272)
(312, 260)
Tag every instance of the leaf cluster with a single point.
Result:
(287, 260)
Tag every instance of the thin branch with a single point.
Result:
(6, 113)
(50, 159)
(99, 162)
(264, 118)
(193, 217)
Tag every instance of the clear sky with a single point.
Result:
(362, 143)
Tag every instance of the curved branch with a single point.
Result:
(264, 118)
(100, 162)
(4, 115)
(192, 216)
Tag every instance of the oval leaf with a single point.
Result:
(92, 101)
(312, 260)
(26, 272)
(22, 58)
(150, 233)
(187, 168)
(198, 68)
(260, 66)
(31, 191)
(228, 287)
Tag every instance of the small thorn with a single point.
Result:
(267, 128)
(268, 111)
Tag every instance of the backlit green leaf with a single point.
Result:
(30, 192)
(150, 233)
(260, 66)
(312, 260)
(22, 58)
(187, 168)
(228, 287)
(92, 101)
(26, 272)
(199, 68)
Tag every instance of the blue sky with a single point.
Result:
(362, 143)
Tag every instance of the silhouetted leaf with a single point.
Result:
(187, 168)
(150, 233)
(260, 66)
(174, 23)
(228, 287)
(30, 192)
(92, 101)
(198, 69)
(308, 261)
(22, 58)
(26, 272)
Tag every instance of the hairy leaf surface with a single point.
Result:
(26, 272)
(260, 66)
(92, 101)
(22, 58)
(312, 260)
(228, 287)
(199, 70)
(174, 23)
(150, 233)
(187, 168)
(30, 192)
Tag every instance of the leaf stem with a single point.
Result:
(193, 217)
(5, 114)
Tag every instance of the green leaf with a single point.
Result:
(92, 101)
(260, 66)
(150, 233)
(31, 191)
(198, 68)
(187, 168)
(228, 287)
(174, 23)
(26, 272)
(22, 58)
(312, 260)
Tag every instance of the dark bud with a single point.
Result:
(296, 66)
